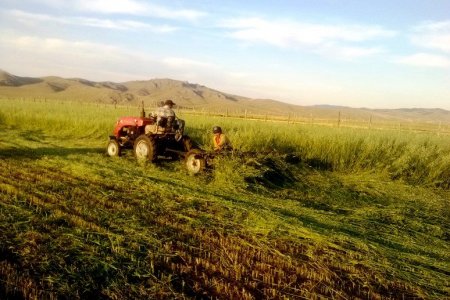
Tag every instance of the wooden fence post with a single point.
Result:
(339, 119)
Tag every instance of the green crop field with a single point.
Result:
(320, 212)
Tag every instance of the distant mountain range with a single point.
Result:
(193, 96)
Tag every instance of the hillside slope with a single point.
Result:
(192, 96)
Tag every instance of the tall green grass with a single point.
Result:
(417, 158)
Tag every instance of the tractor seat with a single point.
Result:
(155, 129)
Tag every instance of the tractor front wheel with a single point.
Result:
(145, 148)
(113, 148)
(195, 161)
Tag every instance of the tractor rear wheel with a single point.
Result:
(113, 148)
(195, 162)
(145, 148)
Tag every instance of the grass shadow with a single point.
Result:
(14, 152)
(35, 135)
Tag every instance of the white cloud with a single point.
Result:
(351, 52)
(425, 60)
(433, 26)
(432, 35)
(347, 52)
(334, 40)
(122, 24)
(137, 8)
(60, 48)
(94, 61)
(180, 62)
(33, 18)
(433, 41)
(170, 13)
(31, 56)
(111, 6)
(288, 33)
(126, 7)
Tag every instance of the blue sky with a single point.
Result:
(376, 54)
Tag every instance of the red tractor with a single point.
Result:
(149, 138)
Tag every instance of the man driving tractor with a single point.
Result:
(165, 114)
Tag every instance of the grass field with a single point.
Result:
(362, 214)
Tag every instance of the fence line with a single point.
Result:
(439, 127)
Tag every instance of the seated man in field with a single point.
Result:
(220, 140)
(166, 120)
(165, 116)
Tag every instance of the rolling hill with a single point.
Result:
(194, 96)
